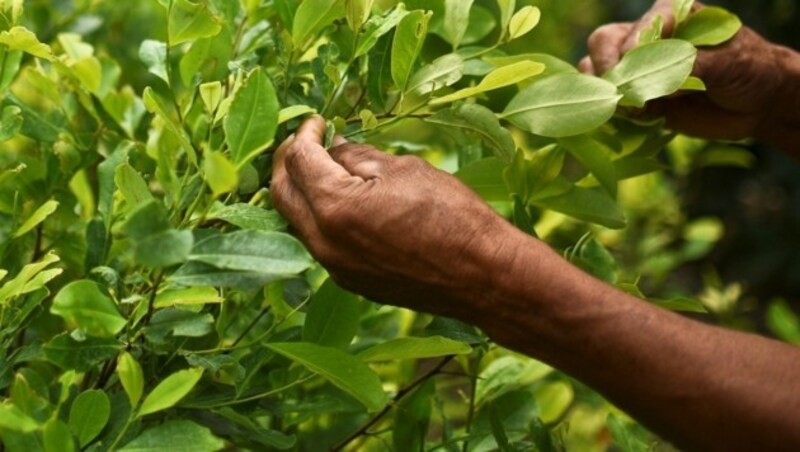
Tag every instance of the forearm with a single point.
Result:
(700, 386)
(781, 126)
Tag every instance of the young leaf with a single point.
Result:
(189, 21)
(154, 55)
(131, 376)
(499, 78)
(175, 435)
(681, 10)
(333, 317)
(221, 174)
(343, 370)
(155, 105)
(594, 157)
(254, 251)
(652, 71)
(314, 15)
(507, 8)
(295, 111)
(253, 118)
(408, 41)
(377, 27)
(563, 104)
(84, 306)
(211, 93)
(10, 122)
(443, 72)
(357, 12)
(414, 348)
(654, 32)
(41, 214)
(246, 216)
(89, 415)
(709, 26)
(456, 20)
(15, 420)
(67, 353)
(479, 119)
(523, 21)
(31, 278)
(22, 39)
(170, 391)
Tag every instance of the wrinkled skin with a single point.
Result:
(748, 79)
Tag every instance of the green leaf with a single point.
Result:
(132, 185)
(295, 111)
(563, 104)
(164, 249)
(652, 71)
(179, 323)
(83, 356)
(314, 15)
(249, 217)
(357, 12)
(442, 73)
(154, 55)
(271, 253)
(408, 40)
(189, 21)
(88, 415)
(333, 317)
(32, 277)
(480, 120)
(412, 418)
(193, 274)
(84, 306)
(22, 39)
(41, 214)
(594, 157)
(588, 204)
(377, 27)
(253, 118)
(343, 370)
(681, 10)
(131, 376)
(456, 20)
(414, 348)
(221, 175)
(57, 437)
(188, 297)
(175, 436)
(499, 78)
(654, 32)
(485, 177)
(554, 399)
(170, 391)
(10, 122)
(710, 26)
(212, 94)
(524, 21)
(507, 8)
(147, 220)
(14, 419)
(624, 435)
(155, 105)
(782, 321)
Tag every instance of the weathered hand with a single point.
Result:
(746, 79)
(394, 229)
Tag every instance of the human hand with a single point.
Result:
(394, 229)
(745, 80)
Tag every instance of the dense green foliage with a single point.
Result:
(150, 297)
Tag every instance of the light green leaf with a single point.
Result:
(480, 120)
(131, 376)
(155, 105)
(594, 157)
(253, 118)
(193, 274)
(357, 12)
(523, 21)
(41, 214)
(588, 204)
(10, 122)
(693, 84)
(414, 348)
(499, 78)
(485, 177)
(342, 369)
(681, 10)
(378, 26)
(249, 217)
(14, 419)
(175, 436)
(456, 20)
(88, 415)
(57, 437)
(154, 55)
(443, 72)
(221, 174)
(22, 39)
(84, 306)
(189, 21)
(652, 71)
(563, 104)
(314, 15)
(507, 8)
(188, 297)
(710, 26)
(408, 40)
(32, 277)
(333, 317)
(295, 111)
(170, 391)
(212, 94)
(782, 321)
(654, 32)
(271, 253)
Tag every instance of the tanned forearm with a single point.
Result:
(702, 387)
(781, 126)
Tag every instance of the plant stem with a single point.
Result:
(124, 430)
(152, 300)
(253, 397)
(472, 391)
(364, 430)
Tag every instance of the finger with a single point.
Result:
(288, 200)
(605, 46)
(361, 160)
(586, 66)
(339, 140)
(312, 130)
(661, 8)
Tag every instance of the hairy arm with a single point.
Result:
(401, 232)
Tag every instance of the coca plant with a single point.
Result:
(150, 296)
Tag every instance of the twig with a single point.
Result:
(399, 396)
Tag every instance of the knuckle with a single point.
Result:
(410, 162)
